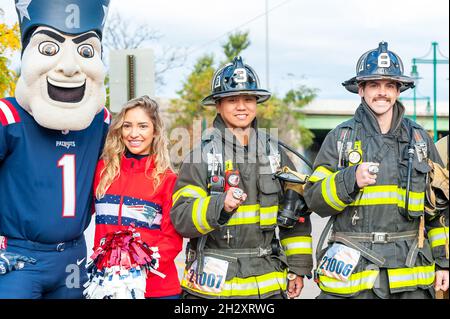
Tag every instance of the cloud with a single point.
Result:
(320, 40)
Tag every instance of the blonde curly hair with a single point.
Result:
(115, 147)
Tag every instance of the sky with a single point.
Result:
(313, 43)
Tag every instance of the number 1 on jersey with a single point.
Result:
(67, 162)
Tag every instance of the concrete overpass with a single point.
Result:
(327, 114)
(321, 116)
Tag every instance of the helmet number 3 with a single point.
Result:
(67, 163)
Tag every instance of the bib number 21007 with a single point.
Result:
(212, 279)
(67, 164)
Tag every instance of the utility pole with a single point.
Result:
(435, 62)
(267, 47)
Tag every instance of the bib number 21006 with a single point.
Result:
(339, 262)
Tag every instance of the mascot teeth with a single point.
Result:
(66, 92)
(66, 85)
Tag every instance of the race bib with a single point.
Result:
(339, 262)
(211, 280)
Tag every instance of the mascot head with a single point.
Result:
(62, 77)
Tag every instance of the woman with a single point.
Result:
(133, 188)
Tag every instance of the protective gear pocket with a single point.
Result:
(270, 189)
(418, 182)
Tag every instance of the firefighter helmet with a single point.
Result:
(235, 78)
(379, 64)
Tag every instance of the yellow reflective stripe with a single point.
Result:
(247, 287)
(319, 174)
(416, 200)
(245, 215)
(189, 191)
(357, 282)
(247, 208)
(301, 245)
(330, 195)
(389, 195)
(438, 236)
(199, 210)
(254, 214)
(409, 277)
(268, 215)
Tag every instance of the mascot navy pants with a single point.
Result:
(59, 272)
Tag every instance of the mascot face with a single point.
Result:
(62, 79)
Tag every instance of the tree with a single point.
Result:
(9, 42)
(121, 33)
(236, 44)
(187, 107)
(198, 85)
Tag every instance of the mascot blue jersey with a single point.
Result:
(46, 176)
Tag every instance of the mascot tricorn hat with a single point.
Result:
(67, 16)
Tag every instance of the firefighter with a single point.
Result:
(226, 201)
(370, 177)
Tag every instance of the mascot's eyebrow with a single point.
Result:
(84, 37)
(52, 34)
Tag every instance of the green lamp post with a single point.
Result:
(435, 61)
(415, 75)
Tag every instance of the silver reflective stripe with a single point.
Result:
(298, 245)
(357, 282)
(416, 277)
(329, 192)
(241, 218)
(411, 277)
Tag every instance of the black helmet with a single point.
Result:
(235, 79)
(379, 64)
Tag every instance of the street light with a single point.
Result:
(415, 76)
(435, 62)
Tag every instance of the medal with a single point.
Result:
(354, 157)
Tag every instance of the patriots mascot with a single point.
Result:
(51, 136)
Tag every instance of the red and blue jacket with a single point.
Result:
(132, 200)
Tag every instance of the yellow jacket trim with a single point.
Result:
(330, 195)
(199, 215)
(389, 195)
(438, 236)
(357, 282)
(268, 215)
(301, 245)
(245, 215)
(410, 277)
(254, 214)
(247, 287)
(319, 174)
(189, 191)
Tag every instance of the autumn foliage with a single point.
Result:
(9, 42)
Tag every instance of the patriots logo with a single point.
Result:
(148, 211)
